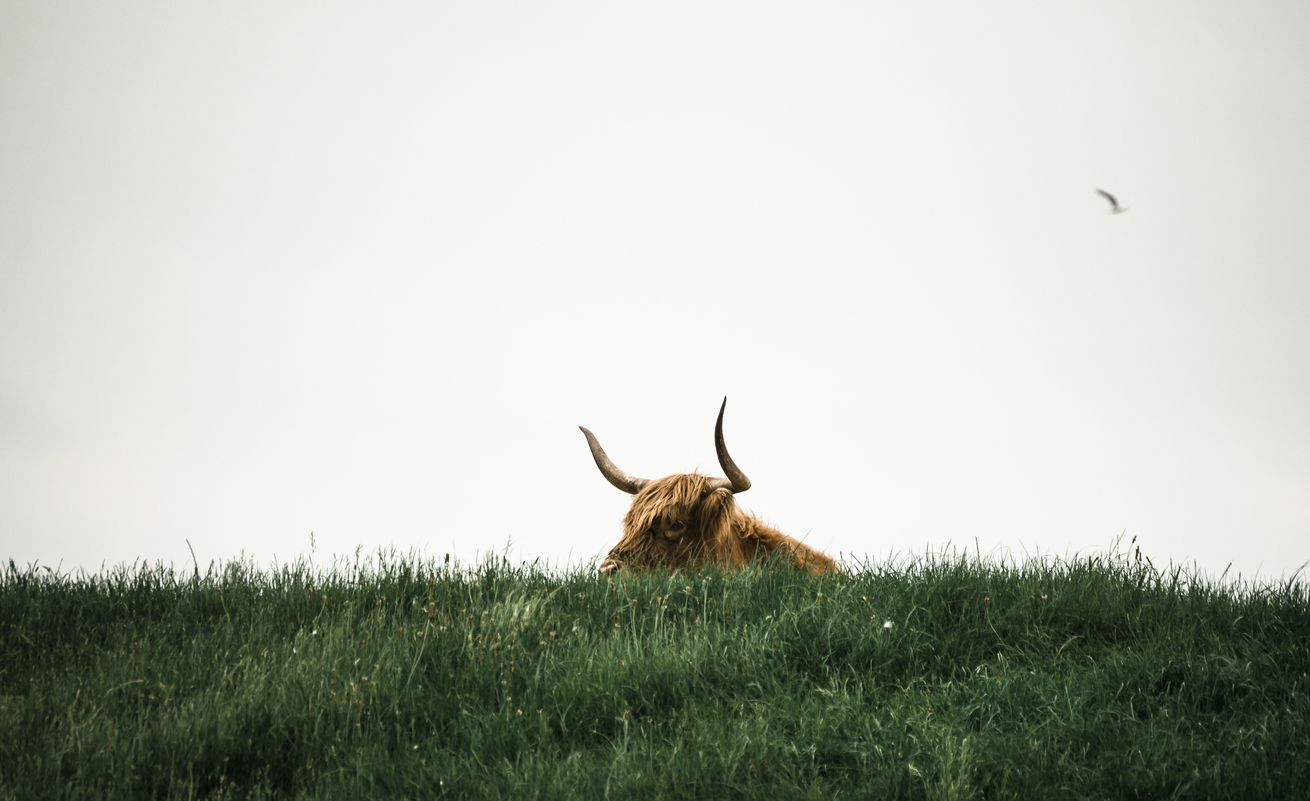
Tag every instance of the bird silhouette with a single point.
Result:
(1115, 208)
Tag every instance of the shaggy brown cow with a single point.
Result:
(693, 518)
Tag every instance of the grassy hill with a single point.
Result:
(933, 678)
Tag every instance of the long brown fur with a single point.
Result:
(678, 520)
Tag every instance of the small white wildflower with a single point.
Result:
(887, 625)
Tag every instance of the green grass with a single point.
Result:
(400, 677)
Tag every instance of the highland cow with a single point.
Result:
(692, 519)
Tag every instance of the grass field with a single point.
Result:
(937, 678)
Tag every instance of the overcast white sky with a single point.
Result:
(363, 270)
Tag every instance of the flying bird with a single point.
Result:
(1115, 208)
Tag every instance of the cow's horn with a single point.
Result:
(629, 484)
(736, 480)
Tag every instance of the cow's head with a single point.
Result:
(692, 518)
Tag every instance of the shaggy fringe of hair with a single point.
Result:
(727, 534)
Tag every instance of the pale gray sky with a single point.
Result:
(363, 269)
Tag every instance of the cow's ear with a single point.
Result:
(716, 519)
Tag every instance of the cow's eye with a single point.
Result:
(677, 527)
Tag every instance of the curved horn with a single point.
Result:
(629, 484)
(736, 480)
